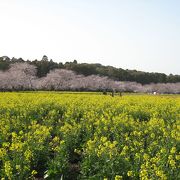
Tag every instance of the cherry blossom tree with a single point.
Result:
(21, 76)
(58, 79)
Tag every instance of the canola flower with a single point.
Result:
(53, 135)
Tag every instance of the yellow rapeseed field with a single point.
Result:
(53, 135)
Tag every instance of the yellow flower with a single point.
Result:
(172, 163)
(173, 150)
(163, 150)
(28, 155)
(146, 156)
(130, 173)
(177, 157)
(18, 167)
(103, 139)
(143, 174)
(2, 152)
(8, 169)
(34, 172)
(117, 177)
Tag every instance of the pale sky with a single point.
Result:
(130, 34)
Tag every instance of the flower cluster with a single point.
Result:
(89, 136)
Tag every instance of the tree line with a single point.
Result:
(44, 66)
(22, 76)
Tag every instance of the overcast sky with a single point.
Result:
(131, 34)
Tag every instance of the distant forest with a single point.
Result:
(44, 66)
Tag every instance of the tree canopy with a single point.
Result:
(44, 66)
